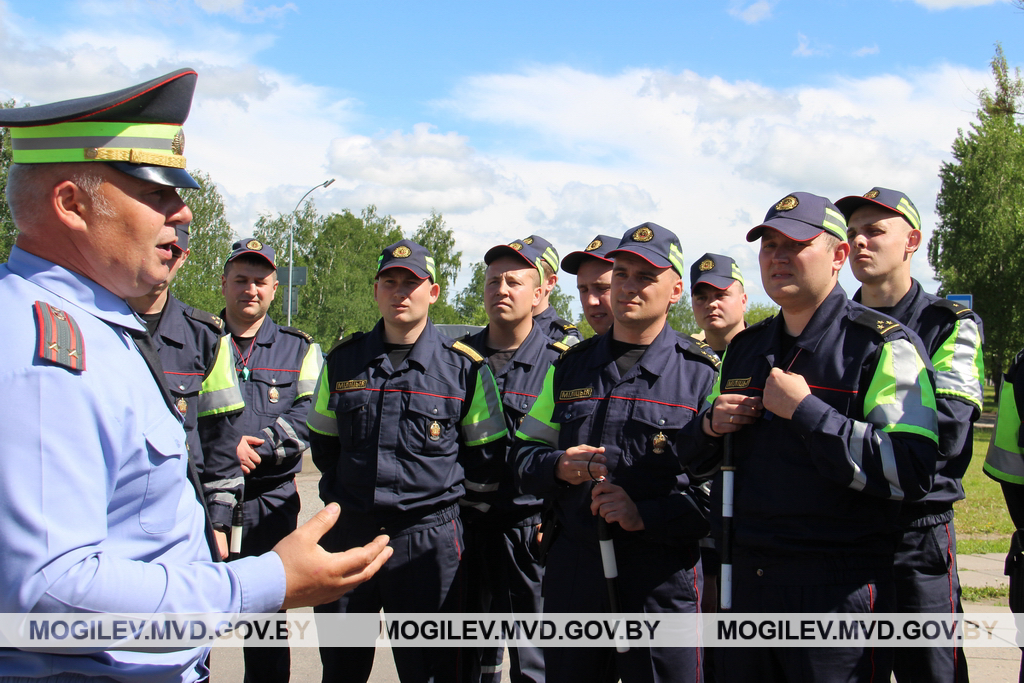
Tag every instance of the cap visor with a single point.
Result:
(654, 259)
(495, 253)
(182, 232)
(572, 262)
(716, 281)
(250, 251)
(794, 230)
(421, 274)
(161, 175)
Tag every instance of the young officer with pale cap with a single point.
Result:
(98, 511)
(560, 330)
(718, 299)
(503, 571)
(398, 413)
(884, 234)
(196, 359)
(604, 439)
(277, 369)
(833, 411)
(593, 271)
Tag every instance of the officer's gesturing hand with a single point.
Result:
(730, 413)
(248, 458)
(614, 504)
(581, 463)
(783, 392)
(314, 576)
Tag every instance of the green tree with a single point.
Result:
(440, 240)
(7, 231)
(209, 244)
(561, 302)
(680, 316)
(757, 312)
(978, 245)
(469, 302)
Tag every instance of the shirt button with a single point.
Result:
(661, 421)
(524, 405)
(760, 572)
(434, 411)
(181, 387)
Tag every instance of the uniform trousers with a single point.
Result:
(653, 579)
(927, 582)
(268, 518)
(422, 576)
(807, 664)
(503, 575)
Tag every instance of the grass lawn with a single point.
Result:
(982, 523)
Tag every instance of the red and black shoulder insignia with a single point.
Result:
(59, 339)
(209, 319)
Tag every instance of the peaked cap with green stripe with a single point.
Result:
(407, 254)
(657, 245)
(136, 130)
(894, 200)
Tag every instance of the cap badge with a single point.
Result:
(435, 431)
(273, 394)
(181, 405)
(643, 235)
(658, 442)
(517, 246)
(871, 194)
(402, 252)
(178, 143)
(787, 204)
(255, 245)
(594, 246)
(527, 240)
(706, 265)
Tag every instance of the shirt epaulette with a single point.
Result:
(880, 323)
(586, 343)
(560, 347)
(343, 341)
(469, 351)
(699, 349)
(959, 310)
(297, 332)
(58, 338)
(567, 327)
(216, 322)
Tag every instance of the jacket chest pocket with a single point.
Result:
(654, 429)
(573, 419)
(516, 406)
(432, 424)
(165, 478)
(352, 410)
(271, 393)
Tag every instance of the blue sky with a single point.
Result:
(564, 119)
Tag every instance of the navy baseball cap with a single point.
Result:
(802, 216)
(526, 252)
(894, 200)
(716, 270)
(544, 249)
(136, 130)
(251, 245)
(598, 249)
(657, 245)
(410, 255)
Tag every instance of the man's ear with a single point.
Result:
(71, 205)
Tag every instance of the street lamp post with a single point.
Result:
(291, 243)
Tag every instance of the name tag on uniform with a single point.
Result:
(738, 383)
(572, 394)
(350, 384)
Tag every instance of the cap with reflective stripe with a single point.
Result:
(802, 216)
(137, 130)
(894, 200)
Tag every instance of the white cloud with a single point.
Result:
(804, 47)
(950, 4)
(244, 10)
(866, 50)
(754, 12)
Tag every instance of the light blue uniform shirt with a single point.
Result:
(96, 510)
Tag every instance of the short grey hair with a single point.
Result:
(27, 185)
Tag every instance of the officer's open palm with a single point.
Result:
(314, 576)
